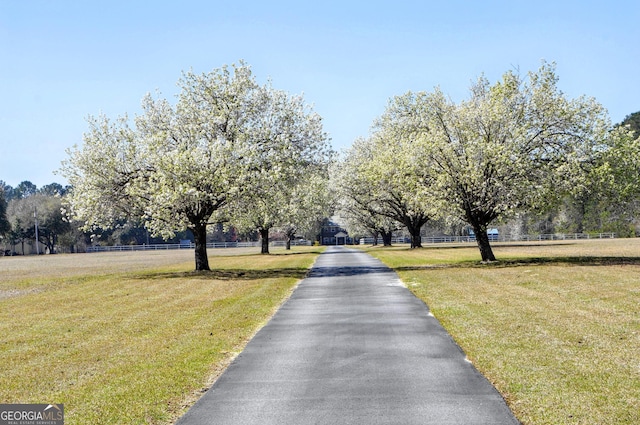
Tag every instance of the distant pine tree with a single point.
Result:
(633, 121)
(4, 223)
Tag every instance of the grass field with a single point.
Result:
(132, 338)
(555, 326)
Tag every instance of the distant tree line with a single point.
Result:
(24, 206)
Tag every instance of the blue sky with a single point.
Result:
(61, 61)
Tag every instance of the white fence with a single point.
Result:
(169, 246)
(557, 237)
(500, 238)
(363, 241)
(394, 240)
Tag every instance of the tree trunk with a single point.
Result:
(416, 239)
(482, 239)
(264, 235)
(202, 259)
(50, 243)
(290, 236)
(413, 223)
(582, 211)
(375, 238)
(386, 238)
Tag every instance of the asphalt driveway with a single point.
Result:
(351, 346)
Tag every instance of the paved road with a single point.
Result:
(351, 346)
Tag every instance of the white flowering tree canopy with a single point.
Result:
(513, 145)
(309, 202)
(285, 148)
(388, 163)
(179, 166)
(358, 199)
(615, 175)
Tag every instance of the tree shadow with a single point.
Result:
(258, 254)
(341, 252)
(237, 273)
(347, 271)
(230, 274)
(533, 261)
(251, 274)
(467, 245)
(296, 252)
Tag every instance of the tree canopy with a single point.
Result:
(357, 198)
(511, 146)
(378, 183)
(5, 226)
(632, 121)
(517, 145)
(284, 147)
(182, 166)
(235, 151)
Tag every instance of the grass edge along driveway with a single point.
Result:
(554, 326)
(133, 347)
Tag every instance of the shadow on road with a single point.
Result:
(347, 271)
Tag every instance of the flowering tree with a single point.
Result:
(514, 145)
(285, 147)
(380, 180)
(180, 166)
(404, 174)
(357, 201)
(613, 195)
(307, 205)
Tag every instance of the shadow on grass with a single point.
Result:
(256, 253)
(248, 274)
(239, 273)
(295, 253)
(230, 274)
(533, 261)
(466, 245)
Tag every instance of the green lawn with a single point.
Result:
(132, 338)
(555, 326)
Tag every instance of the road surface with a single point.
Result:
(351, 346)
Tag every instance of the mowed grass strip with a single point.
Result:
(555, 326)
(132, 347)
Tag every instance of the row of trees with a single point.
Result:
(236, 152)
(31, 214)
(230, 150)
(519, 146)
(20, 209)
